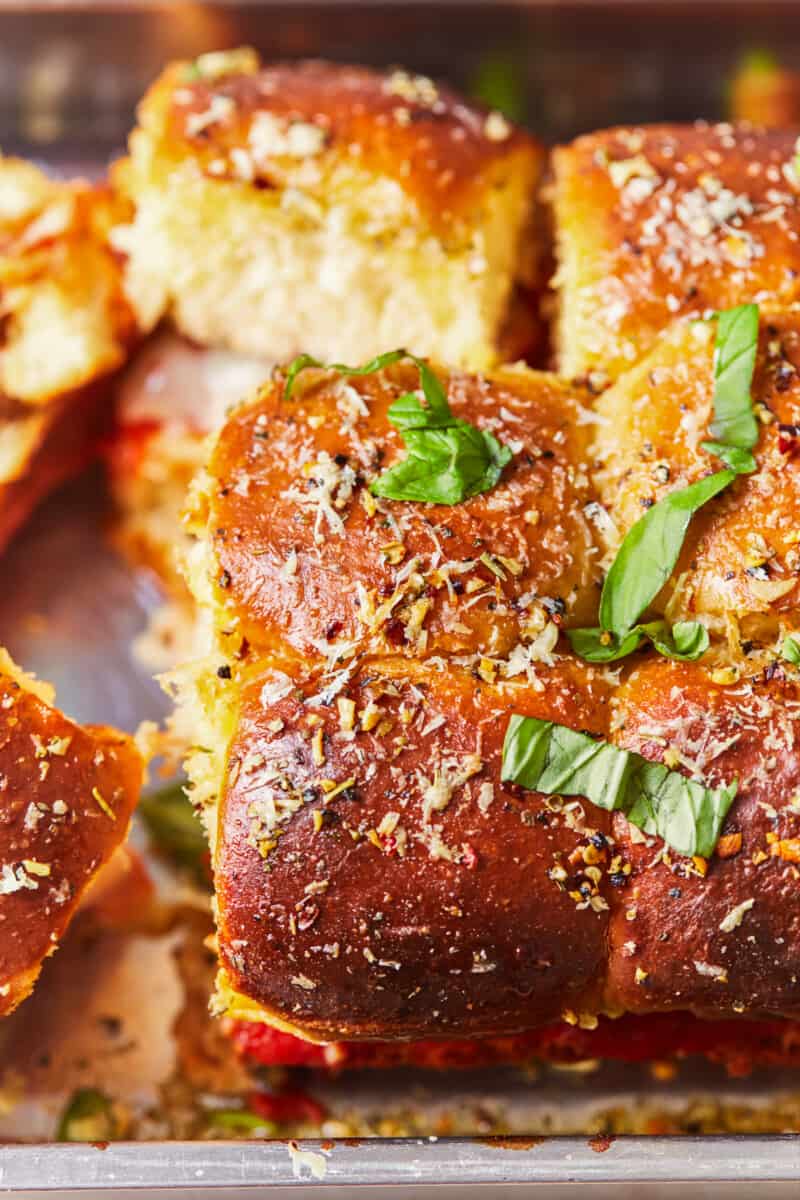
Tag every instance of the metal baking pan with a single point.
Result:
(71, 610)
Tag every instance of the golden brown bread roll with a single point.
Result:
(305, 563)
(668, 220)
(66, 325)
(328, 209)
(738, 570)
(724, 939)
(65, 804)
(374, 877)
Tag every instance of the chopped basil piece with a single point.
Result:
(684, 641)
(242, 1120)
(552, 759)
(649, 552)
(448, 460)
(734, 427)
(88, 1117)
(175, 827)
(790, 650)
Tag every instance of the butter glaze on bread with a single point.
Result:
(333, 210)
(668, 220)
(420, 896)
(308, 564)
(738, 569)
(66, 801)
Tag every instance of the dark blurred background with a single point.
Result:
(70, 74)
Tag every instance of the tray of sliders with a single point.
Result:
(405, 516)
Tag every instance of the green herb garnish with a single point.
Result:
(175, 828)
(790, 650)
(242, 1120)
(448, 460)
(500, 83)
(651, 547)
(734, 427)
(555, 760)
(685, 641)
(88, 1117)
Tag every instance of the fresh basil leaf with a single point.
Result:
(734, 422)
(740, 461)
(649, 552)
(444, 466)
(597, 645)
(555, 760)
(790, 650)
(175, 827)
(88, 1117)
(448, 461)
(685, 641)
(241, 1120)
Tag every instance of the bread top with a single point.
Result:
(659, 221)
(724, 940)
(318, 127)
(64, 315)
(305, 563)
(66, 798)
(375, 878)
(738, 570)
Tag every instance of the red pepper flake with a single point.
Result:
(469, 857)
(789, 439)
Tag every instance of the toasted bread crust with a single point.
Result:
(300, 124)
(419, 896)
(67, 797)
(664, 221)
(726, 942)
(307, 559)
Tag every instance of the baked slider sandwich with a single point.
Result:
(66, 799)
(306, 207)
(661, 221)
(66, 327)
(454, 820)
(316, 208)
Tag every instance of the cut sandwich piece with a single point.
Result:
(334, 210)
(66, 326)
(667, 220)
(739, 569)
(172, 395)
(67, 797)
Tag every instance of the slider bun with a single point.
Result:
(338, 210)
(66, 799)
(670, 921)
(302, 559)
(661, 221)
(418, 897)
(738, 570)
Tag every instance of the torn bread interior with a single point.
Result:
(340, 210)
